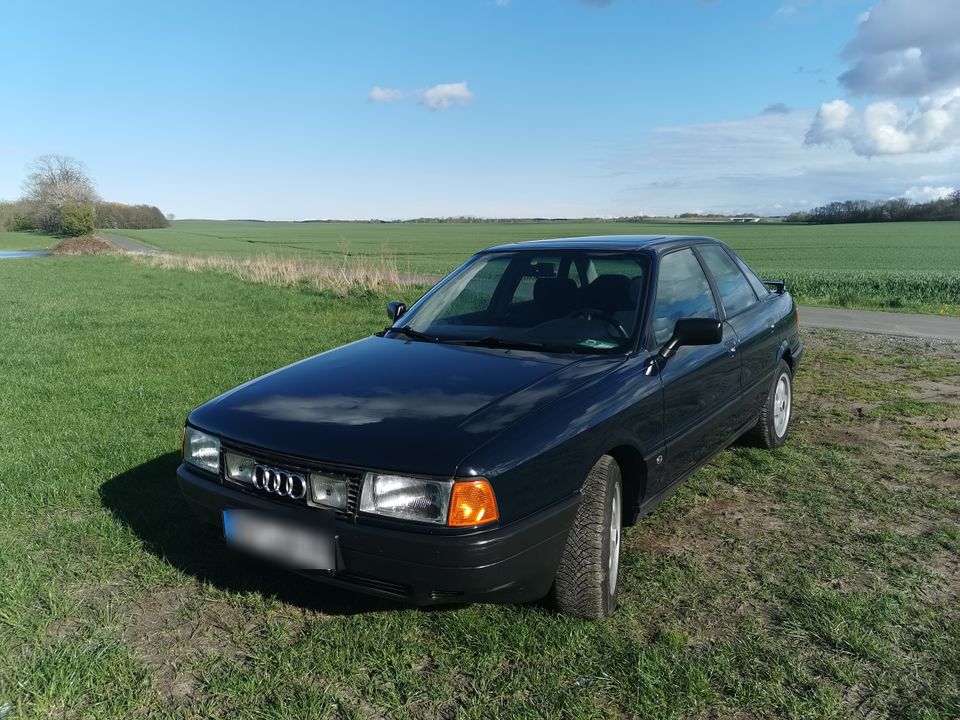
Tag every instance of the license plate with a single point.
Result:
(298, 546)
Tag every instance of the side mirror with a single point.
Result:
(395, 309)
(693, 331)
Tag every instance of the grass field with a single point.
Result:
(25, 241)
(817, 581)
(901, 266)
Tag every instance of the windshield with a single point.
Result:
(563, 301)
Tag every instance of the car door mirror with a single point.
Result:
(693, 331)
(395, 309)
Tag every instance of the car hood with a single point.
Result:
(390, 404)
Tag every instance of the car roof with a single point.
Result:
(655, 243)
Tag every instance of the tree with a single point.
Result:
(77, 219)
(53, 182)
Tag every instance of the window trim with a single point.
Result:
(718, 298)
(650, 341)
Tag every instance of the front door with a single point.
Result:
(701, 385)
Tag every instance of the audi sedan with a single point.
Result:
(492, 443)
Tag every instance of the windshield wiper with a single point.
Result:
(411, 333)
(495, 342)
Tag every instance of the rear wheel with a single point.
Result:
(587, 579)
(773, 427)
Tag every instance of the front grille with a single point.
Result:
(297, 465)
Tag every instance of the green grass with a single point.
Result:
(810, 582)
(897, 266)
(26, 241)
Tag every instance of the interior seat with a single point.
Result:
(554, 297)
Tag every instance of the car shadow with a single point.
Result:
(147, 500)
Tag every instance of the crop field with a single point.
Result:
(901, 266)
(821, 580)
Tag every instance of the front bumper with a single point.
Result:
(511, 563)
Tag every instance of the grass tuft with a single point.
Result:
(351, 275)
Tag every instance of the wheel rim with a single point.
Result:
(781, 405)
(613, 561)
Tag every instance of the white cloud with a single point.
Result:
(905, 48)
(885, 128)
(445, 95)
(926, 193)
(384, 95)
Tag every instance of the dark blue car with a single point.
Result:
(494, 441)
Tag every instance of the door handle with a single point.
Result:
(771, 324)
(731, 347)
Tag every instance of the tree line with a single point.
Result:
(59, 198)
(895, 210)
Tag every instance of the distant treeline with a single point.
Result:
(24, 215)
(111, 215)
(897, 210)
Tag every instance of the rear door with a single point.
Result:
(754, 322)
(701, 384)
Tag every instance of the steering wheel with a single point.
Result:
(591, 313)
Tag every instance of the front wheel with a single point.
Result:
(587, 579)
(774, 423)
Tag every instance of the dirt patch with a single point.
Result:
(946, 567)
(704, 529)
(946, 391)
(169, 628)
(86, 245)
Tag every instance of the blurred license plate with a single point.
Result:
(297, 546)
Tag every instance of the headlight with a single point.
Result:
(406, 498)
(201, 449)
(462, 503)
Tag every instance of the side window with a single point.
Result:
(682, 292)
(735, 292)
(534, 268)
(758, 287)
(524, 291)
(475, 294)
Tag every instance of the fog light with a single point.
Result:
(239, 467)
(329, 490)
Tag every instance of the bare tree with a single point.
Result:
(53, 182)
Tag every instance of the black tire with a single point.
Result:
(583, 582)
(766, 429)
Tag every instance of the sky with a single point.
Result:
(393, 109)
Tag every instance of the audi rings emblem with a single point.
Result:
(279, 482)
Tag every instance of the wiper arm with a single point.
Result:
(494, 342)
(411, 333)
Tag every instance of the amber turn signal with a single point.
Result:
(472, 503)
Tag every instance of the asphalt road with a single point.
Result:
(882, 323)
(130, 245)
